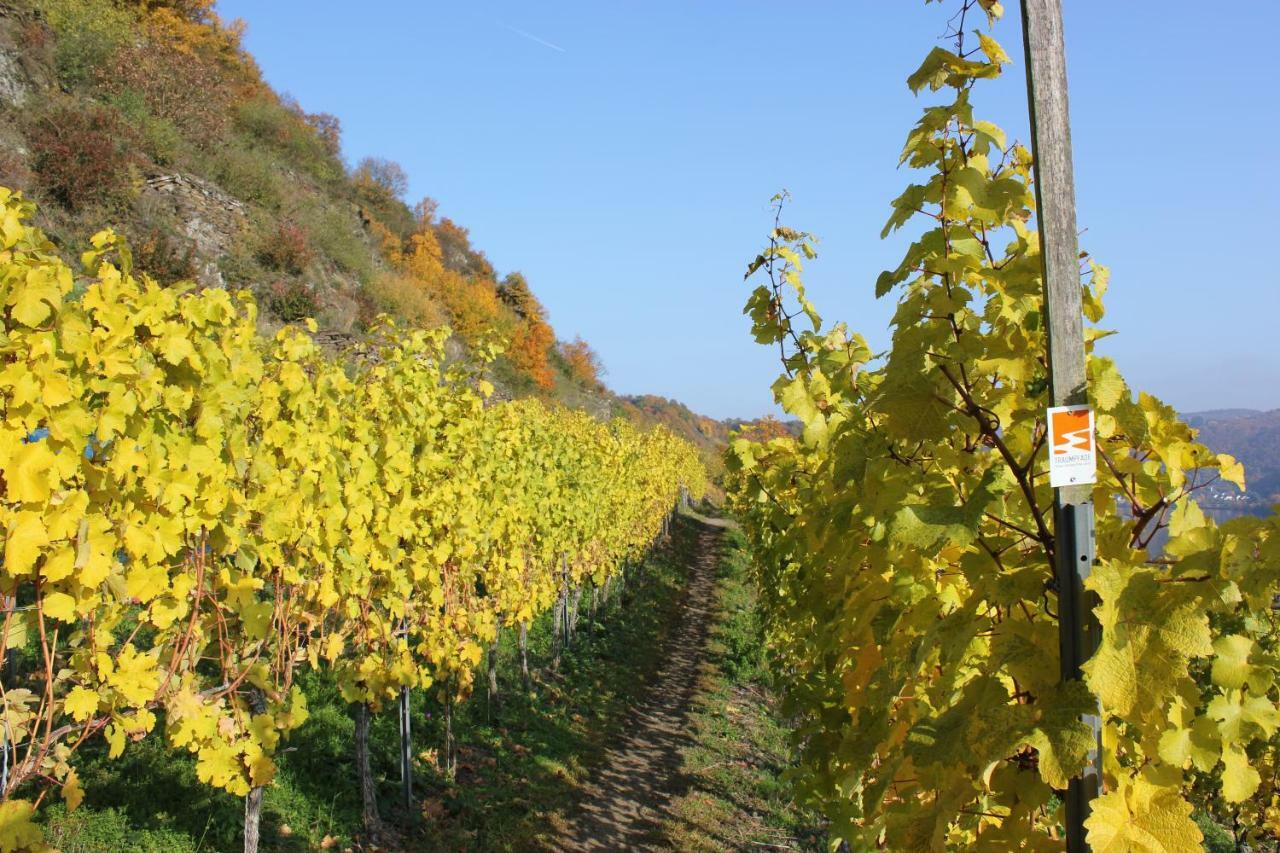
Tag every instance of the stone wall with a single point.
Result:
(207, 216)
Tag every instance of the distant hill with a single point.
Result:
(1251, 436)
(709, 435)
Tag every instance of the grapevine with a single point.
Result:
(192, 512)
(905, 549)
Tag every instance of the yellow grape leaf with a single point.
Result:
(138, 723)
(992, 49)
(1239, 780)
(176, 348)
(55, 390)
(72, 792)
(1231, 470)
(135, 676)
(218, 764)
(1175, 747)
(332, 647)
(60, 565)
(263, 728)
(60, 606)
(115, 740)
(16, 633)
(197, 724)
(27, 536)
(1231, 661)
(81, 703)
(1148, 638)
(1142, 818)
(1242, 715)
(95, 566)
(27, 473)
(11, 227)
(35, 300)
(262, 770)
(17, 831)
(1106, 386)
(1206, 744)
(256, 618)
(145, 582)
(297, 713)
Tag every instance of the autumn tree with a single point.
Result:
(583, 363)
(455, 241)
(530, 343)
(383, 180)
(515, 292)
(424, 212)
(196, 11)
(472, 303)
(763, 430)
(532, 338)
(327, 127)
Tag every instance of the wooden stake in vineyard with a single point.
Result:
(406, 749)
(1074, 555)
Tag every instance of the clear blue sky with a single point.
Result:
(621, 154)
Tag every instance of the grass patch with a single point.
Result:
(740, 798)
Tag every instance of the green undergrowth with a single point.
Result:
(739, 798)
(520, 760)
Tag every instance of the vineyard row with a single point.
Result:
(192, 513)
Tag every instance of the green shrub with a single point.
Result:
(184, 87)
(285, 128)
(87, 831)
(249, 174)
(159, 138)
(239, 267)
(89, 34)
(336, 235)
(1216, 839)
(291, 301)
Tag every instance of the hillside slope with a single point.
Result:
(241, 187)
(1253, 437)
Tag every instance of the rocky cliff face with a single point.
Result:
(26, 65)
(207, 216)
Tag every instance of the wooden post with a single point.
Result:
(1078, 630)
(406, 736)
(253, 802)
(564, 610)
(364, 768)
(524, 656)
(406, 750)
(253, 819)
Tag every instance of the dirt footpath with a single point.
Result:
(623, 804)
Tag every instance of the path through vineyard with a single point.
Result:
(623, 805)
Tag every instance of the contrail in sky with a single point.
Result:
(531, 37)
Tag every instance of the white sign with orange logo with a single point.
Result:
(1073, 456)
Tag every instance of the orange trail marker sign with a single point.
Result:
(1073, 455)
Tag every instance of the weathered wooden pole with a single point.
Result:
(406, 750)
(1060, 266)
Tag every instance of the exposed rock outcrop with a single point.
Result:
(25, 66)
(210, 218)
